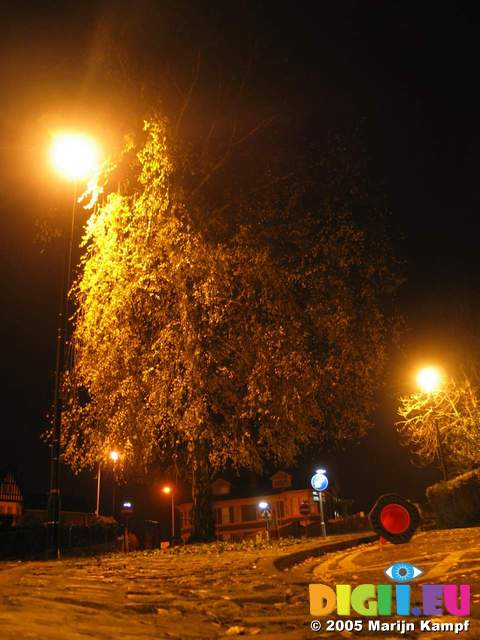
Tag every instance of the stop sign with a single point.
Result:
(304, 508)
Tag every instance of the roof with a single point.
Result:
(9, 486)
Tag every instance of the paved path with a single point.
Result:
(157, 595)
(153, 595)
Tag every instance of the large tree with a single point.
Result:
(218, 342)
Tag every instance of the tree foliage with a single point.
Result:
(217, 343)
(450, 418)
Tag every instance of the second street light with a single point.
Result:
(266, 513)
(74, 157)
(114, 457)
(169, 492)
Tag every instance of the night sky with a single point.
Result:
(405, 73)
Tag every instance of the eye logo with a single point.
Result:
(402, 572)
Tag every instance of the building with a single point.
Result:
(11, 499)
(238, 515)
(17, 509)
(75, 510)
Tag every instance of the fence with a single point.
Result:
(31, 542)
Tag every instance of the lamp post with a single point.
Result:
(127, 512)
(266, 512)
(430, 381)
(73, 156)
(169, 491)
(114, 456)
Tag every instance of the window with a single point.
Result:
(249, 512)
(231, 513)
(218, 516)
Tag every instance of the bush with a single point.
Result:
(456, 502)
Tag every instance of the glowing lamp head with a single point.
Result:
(74, 156)
(127, 505)
(263, 505)
(167, 490)
(114, 456)
(429, 379)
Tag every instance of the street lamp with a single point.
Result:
(430, 380)
(73, 156)
(169, 491)
(114, 457)
(127, 512)
(266, 513)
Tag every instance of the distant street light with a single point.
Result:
(74, 156)
(169, 491)
(266, 515)
(127, 512)
(114, 457)
(430, 381)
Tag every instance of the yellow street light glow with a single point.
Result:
(74, 155)
(167, 489)
(429, 379)
(114, 455)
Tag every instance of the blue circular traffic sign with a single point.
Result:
(319, 481)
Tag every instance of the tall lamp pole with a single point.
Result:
(75, 157)
(99, 478)
(266, 513)
(114, 456)
(169, 491)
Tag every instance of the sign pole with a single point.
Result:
(322, 518)
(319, 483)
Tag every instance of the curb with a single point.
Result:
(278, 564)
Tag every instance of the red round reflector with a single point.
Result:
(395, 518)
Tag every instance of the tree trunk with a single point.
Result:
(203, 523)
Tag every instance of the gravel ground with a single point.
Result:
(212, 592)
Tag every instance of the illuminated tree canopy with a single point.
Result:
(219, 349)
(450, 418)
